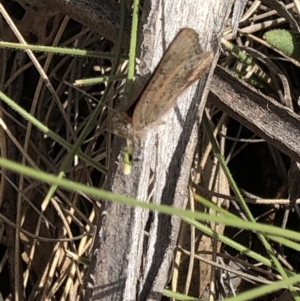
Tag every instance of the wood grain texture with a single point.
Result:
(126, 265)
(102, 17)
(261, 114)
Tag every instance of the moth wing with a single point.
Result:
(182, 64)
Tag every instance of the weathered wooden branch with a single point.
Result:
(127, 265)
(103, 17)
(261, 114)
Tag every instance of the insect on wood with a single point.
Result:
(183, 63)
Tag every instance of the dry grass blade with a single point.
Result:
(49, 232)
(48, 241)
(260, 168)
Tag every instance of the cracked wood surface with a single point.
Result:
(103, 17)
(261, 114)
(126, 265)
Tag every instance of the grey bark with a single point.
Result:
(125, 264)
(261, 114)
(103, 17)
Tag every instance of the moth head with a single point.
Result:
(122, 125)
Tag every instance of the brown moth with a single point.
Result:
(183, 63)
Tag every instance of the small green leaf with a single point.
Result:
(286, 41)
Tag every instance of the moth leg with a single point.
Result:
(128, 157)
